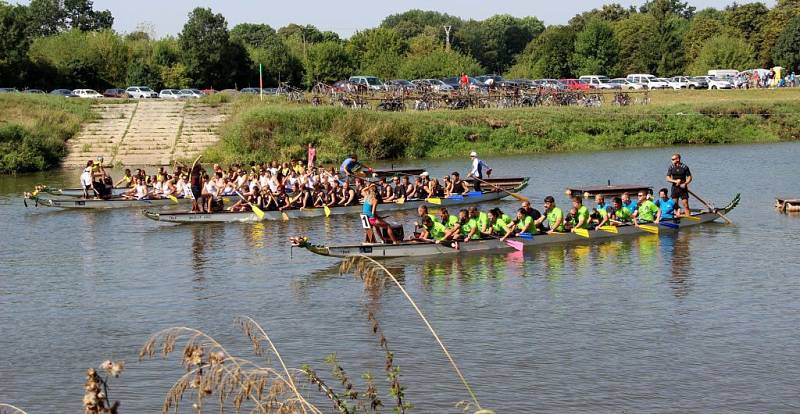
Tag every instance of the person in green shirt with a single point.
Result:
(448, 220)
(581, 219)
(523, 223)
(471, 230)
(647, 212)
(432, 230)
(496, 224)
(618, 214)
(456, 232)
(555, 217)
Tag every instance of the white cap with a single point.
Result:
(424, 174)
(473, 154)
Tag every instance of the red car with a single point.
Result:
(575, 85)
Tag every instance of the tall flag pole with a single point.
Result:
(260, 82)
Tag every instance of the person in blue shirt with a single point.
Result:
(631, 205)
(350, 166)
(666, 206)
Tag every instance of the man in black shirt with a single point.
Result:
(536, 215)
(679, 175)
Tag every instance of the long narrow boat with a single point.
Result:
(249, 216)
(75, 192)
(411, 248)
(116, 202)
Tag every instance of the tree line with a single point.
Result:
(66, 43)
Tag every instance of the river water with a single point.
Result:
(704, 321)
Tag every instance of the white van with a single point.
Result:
(367, 82)
(722, 73)
(646, 80)
(598, 82)
(87, 93)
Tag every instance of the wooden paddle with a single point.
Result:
(709, 206)
(434, 200)
(609, 229)
(515, 195)
(516, 245)
(581, 232)
(173, 198)
(327, 210)
(258, 212)
(401, 200)
(649, 228)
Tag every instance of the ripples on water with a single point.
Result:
(704, 321)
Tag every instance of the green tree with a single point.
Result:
(141, 72)
(377, 51)
(675, 7)
(787, 48)
(746, 19)
(14, 44)
(609, 12)
(595, 50)
(776, 21)
(723, 52)
(49, 17)
(279, 65)
(438, 64)
(701, 28)
(547, 56)
(670, 26)
(495, 41)
(638, 44)
(253, 35)
(211, 59)
(327, 62)
(415, 22)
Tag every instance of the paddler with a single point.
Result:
(432, 230)
(580, 219)
(470, 230)
(647, 212)
(680, 176)
(555, 217)
(351, 167)
(370, 210)
(126, 180)
(496, 223)
(449, 221)
(666, 206)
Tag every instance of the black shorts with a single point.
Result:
(197, 192)
(679, 193)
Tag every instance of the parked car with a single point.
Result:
(598, 82)
(368, 82)
(229, 91)
(191, 93)
(485, 79)
(34, 91)
(677, 83)
(474, 84)
(698, 82)
(525, 83)
(436, 85)
(250, 91)
(625, 84)
(169, 94)
(67, 93)
(688, 82)
(648, 81)
(87, 93)
(140, 92)
(8, 90)
(551, 84)
(400, 85)
(715, 83)
(115, 93)
(575, 85)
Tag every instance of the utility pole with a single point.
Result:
(447, 36)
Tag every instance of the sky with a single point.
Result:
(345, 17)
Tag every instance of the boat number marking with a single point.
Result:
(365, 222)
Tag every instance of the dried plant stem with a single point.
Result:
(289, 379)
(14, 410)
(430, 328)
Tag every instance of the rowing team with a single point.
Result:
(472, 224)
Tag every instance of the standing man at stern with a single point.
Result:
(679, 175)
(478, 169)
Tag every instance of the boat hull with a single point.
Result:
(232, 217)
(78, 192)
(413, 249)
(114, 203)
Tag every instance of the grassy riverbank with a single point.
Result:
(264, 131)
(33, 130)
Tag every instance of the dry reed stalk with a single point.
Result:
(211, 369)
(10, 409)
(368, 270)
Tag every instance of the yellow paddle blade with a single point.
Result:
(649, 229)
(173, 198)
(400, 200)
(693, 218)
(327, 211)
(259, 213)
(519, 197)
(434, 200)
(582, 232)
(610, 229)
(34, 193)
(284, 216)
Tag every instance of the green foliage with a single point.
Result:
(438, 64)
(787, 48)
(495, 41)
(379, 50)
(548, 56)
(416, 22)
(14, 43)
(33, 130)
(723, 52)
(776, 21)
(328, 62)
(253, 35)
(596, 50)
(678, 8)
(747, 19)
(638, 44)
(211, 59)
(48, 17)
(703, 27)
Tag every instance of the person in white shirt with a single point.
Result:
(87, 178)
(478, 169)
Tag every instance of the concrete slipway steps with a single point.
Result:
(146, 132)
